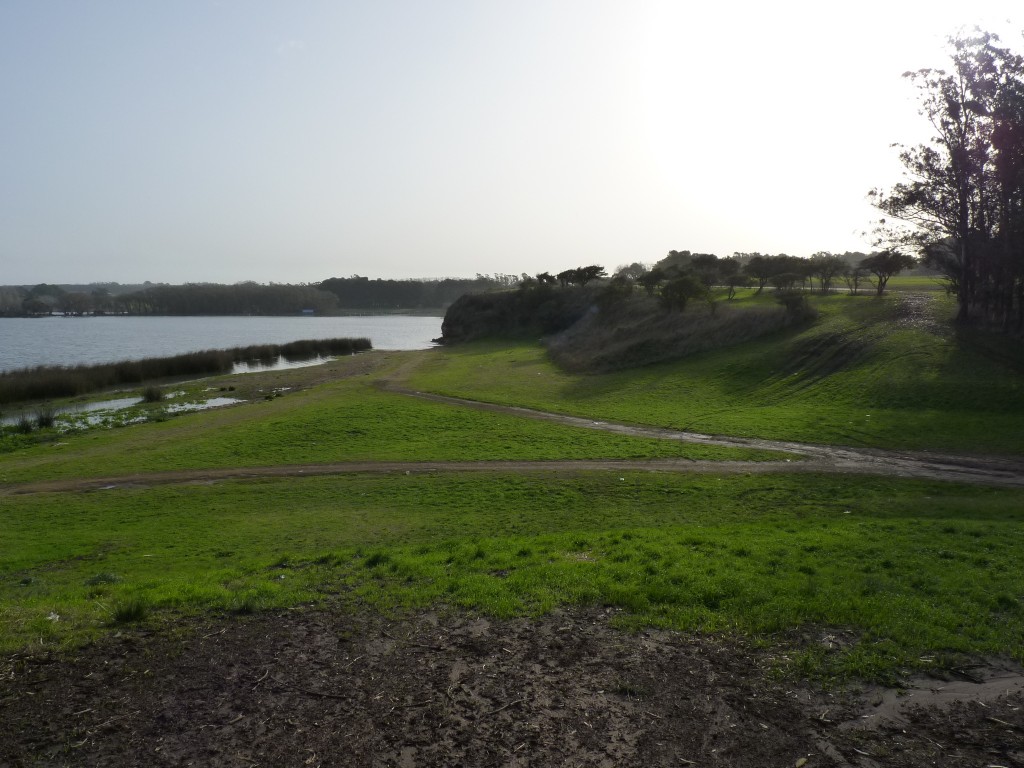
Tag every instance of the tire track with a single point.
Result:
(808, 458)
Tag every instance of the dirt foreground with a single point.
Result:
(315, 687)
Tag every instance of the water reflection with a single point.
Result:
(101, 411)
(280, 363)
(213, 402)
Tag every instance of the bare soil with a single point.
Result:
(319, 687)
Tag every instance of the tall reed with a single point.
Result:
(48, 382)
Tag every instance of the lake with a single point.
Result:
(27, 342)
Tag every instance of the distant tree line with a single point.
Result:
(357, 292)
(675, 280)
(961, 205)
(214, 299)
(248, 298)
(682, 276)
(245, 298)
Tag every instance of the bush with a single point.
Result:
(797, 306)
(45, 416)
(152, 394)
(676, 293)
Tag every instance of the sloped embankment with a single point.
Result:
(585, 332)
(642, 333)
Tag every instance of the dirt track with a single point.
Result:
(808, 457)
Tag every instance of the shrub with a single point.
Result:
(676, 293)
(797, 306)
(152, 394)
(45, 416)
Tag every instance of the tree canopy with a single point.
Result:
(885, 264)
(963, 195)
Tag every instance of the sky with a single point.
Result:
(230, 140)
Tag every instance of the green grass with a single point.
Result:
(862, 375)
(914, 567)
(346, 421)
(916, 283)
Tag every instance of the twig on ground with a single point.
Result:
(307, 691)
(499, 709)
(411, 642)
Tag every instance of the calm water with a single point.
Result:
(26, 342)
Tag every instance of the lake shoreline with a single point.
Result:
(48, 341)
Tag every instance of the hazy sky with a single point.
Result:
(294, 141)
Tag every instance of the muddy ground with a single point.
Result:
(318, 687)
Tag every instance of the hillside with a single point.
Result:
(595, 329)
(891, 372)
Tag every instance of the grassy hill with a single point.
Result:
(890, 372)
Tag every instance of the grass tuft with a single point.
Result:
(130, 610)
(44, 416)
(102, 578)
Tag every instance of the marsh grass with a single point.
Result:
(44, 416)
(47, 382)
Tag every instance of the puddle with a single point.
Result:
(101, 405)
(73, 409)
(982, 684)
(213, 402)
(278, 364)
(104, 411)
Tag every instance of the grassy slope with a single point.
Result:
(861, 375)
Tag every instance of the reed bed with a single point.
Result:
(48, 382)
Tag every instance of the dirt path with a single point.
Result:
(986, 470)
(808, 458)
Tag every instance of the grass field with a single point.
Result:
(347, 421)
(916, 568)
(917, 572)
(866, 374)
(916, 283)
